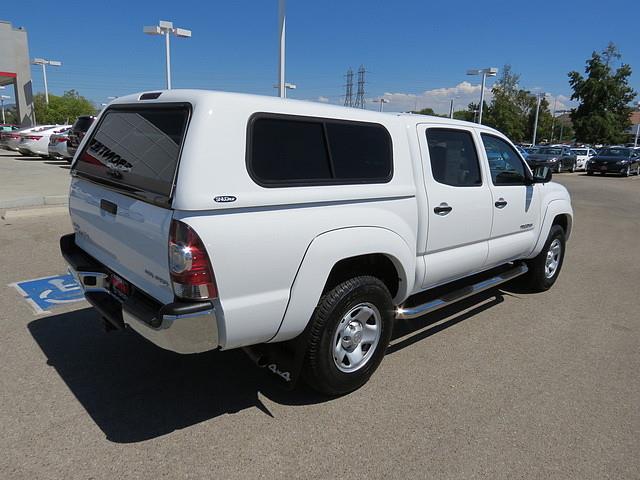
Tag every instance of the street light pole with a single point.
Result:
(282, 28)
(535, 125)
(287, 86)
(168, 59)
(491, 72)
(451, 109)
(381, 101)
(167, 29)
(635, 142)
(2, 99)
(44, 63)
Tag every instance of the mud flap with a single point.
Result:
(285, 360)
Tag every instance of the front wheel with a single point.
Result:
(559, 167)
(626, 171)
(573, 168)
(545, 268)
(589, 172)
(350, 330)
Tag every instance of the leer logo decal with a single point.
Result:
(224, 199)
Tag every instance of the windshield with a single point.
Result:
(579, 151)
(615, 152)
(550, 151)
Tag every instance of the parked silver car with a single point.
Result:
(58, 146)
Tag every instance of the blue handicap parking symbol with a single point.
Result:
(48, 292)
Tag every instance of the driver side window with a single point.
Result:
(504, 163)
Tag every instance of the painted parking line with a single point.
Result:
(49, 292)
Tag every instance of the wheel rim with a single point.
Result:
(356, 337)
(553, 258)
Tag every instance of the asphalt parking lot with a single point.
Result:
(504, 385)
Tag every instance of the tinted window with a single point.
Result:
(83, 123)
(615, 152)
(359, 151)
(504, 163)
(290, 151)
(454, 160)
(137, 149)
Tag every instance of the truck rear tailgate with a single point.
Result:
(133, 242)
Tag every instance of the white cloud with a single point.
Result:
(322, 99)
(462, 94)
(438, 98)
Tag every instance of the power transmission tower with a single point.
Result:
(348, 96)
(359, 103)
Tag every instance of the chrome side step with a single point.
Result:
(407, 313)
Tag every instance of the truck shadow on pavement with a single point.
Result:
(135, 391)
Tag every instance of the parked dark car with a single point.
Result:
(624, 161)
(77, 132)
(558, 159)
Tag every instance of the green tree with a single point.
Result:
(510, 106)
(62, 109)
(604, 96)
(425, 111)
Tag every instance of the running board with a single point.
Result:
(460, 294)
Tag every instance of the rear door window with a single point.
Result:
(137, 150)
(454, 160)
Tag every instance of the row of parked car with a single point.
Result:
(46, 141)
(618, 159)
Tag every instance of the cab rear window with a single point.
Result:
(136, 149)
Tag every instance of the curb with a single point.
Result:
(33, 201)
(41, 211)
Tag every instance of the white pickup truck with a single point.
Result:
(300, 231)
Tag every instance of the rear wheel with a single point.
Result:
(350, 330)
(589, 172)
(573, 167)
(545, 268)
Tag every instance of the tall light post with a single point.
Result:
(635, 142)
(287, 86)
(282, 31)
(535, 124)
(7, 97)
(44, 63)
(167, 29)
(381, 101)
(485, 72)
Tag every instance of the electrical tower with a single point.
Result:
(348, 95)
(359, 103)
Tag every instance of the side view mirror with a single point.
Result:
(542, 174)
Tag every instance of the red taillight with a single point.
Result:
(61, 139)
(33, 137)
(189, 265)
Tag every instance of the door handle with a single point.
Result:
(442, 209)
(501, 203)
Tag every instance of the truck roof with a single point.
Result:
(224, 100)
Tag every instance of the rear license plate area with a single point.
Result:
(119, 287)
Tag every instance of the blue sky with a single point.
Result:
(415, 52)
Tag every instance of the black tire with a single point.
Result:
(589, 172)
(573, 168)
(321, 371)
(537, 279)
(559, 167)
(603, 173)
(626, 171)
